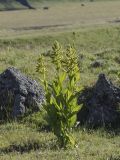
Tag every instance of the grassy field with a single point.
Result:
(59, 17)
(98, 44)
(24, 35)
(20, 142)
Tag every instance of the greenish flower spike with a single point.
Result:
(57, 54)
(41, 69)
(71, 60)
(71, 67)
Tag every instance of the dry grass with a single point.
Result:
(59, 16)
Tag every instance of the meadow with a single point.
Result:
(24, 35)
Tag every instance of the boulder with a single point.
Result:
(18, 94)
(100, 104)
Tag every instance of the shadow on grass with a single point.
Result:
(30, 146)
(40, 27)
(12, 9)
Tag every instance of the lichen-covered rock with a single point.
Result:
(100, 104)
(18, 93)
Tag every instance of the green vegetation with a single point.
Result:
(31, 138)
(91, 44)
(20, 142)
(22, 40)
(61, 99)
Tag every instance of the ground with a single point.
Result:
(21, 142)
(24, 34)
(59, 17)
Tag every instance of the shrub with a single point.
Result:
(61, 93)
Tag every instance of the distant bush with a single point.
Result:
(61, 93)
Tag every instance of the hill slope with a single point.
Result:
(15, 4)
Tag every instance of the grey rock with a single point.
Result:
(100, 104)
(19, 108)
(18, 93)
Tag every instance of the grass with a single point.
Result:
(59, 17)
(29, 138)
(22, 40)
(98, 44)
(20, 142)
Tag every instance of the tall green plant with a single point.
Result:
(61, 93)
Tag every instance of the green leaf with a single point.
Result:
(62, 77)
(72, 97)
(76, 108)
(72, 121)
(58, 107)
